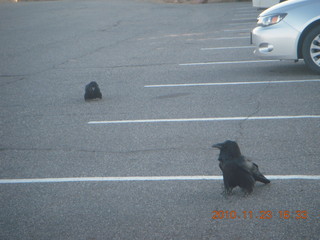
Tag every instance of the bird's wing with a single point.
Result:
(237, 174)
(254, 169)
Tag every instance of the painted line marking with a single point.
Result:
(206, 119)
(145, 178)
(244, 19)
(231, 38)
(230, 83)
(226, 48)
(246, 13)
(173, 36)
(184, 35)
(227, 62)
(237, 24)
(237, 30)
(217, 38)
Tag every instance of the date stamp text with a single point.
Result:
(266, 214)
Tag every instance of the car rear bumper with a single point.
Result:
(275, 42)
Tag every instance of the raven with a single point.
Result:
(92, 91)
(237, 170)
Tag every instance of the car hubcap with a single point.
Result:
(315, 50)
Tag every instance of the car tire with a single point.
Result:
(311, 49)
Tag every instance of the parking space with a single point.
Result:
(138, 164)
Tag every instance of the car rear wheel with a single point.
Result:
(311, 49)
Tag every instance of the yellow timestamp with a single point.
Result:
(264, 214)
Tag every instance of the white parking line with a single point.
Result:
(238, 30)
(247, 11)
(231, 83)
(217, 38)
(244, 19)
(145, 178)
(226, 48)
(206, 119)
(251, 14)
(230, 38)
(237, 24)
(227, 62)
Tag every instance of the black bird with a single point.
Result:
(92, 91)
(237, 170)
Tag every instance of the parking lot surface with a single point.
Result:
(138, 164)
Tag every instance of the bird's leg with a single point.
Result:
(227, 191)
(246, 192)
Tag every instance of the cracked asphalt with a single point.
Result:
(50, 50)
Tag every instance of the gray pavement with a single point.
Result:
(50, 50)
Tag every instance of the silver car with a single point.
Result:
(290, 30)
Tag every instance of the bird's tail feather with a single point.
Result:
(262, 179)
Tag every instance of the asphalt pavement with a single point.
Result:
(138, 164)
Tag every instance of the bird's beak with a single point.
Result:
(218, 145)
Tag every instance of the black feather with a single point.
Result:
(92, 91)
(237, 170)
